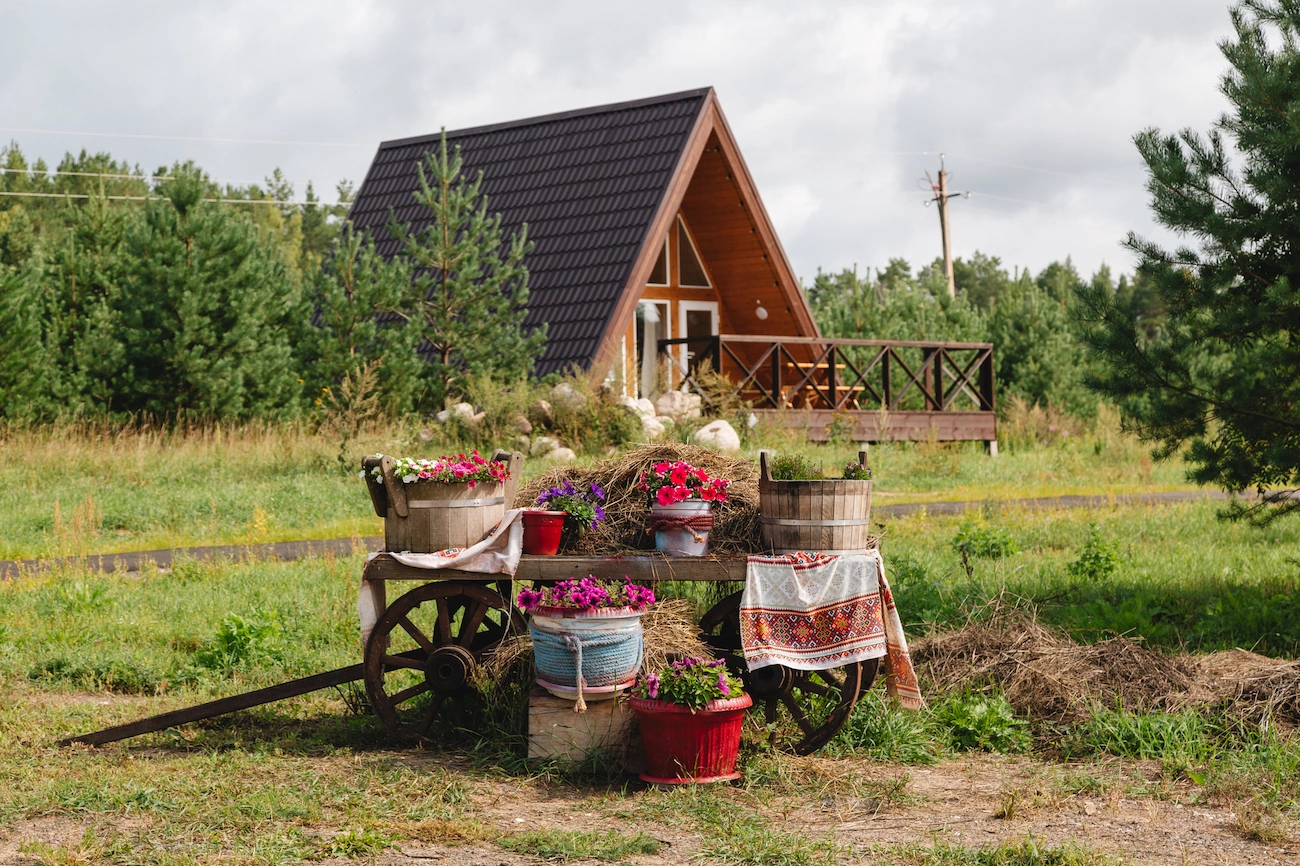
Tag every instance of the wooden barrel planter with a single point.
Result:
(427, 516)
(825, 515)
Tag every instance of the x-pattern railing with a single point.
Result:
(808, 372)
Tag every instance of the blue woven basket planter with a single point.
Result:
(609, 642)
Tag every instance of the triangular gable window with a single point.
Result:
(690, 271)
(659, 276)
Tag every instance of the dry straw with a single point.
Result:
(1045, 674)
(670, 634)
(735, 528)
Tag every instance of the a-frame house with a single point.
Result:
(647, 227)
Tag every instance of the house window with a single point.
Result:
(659, 276)
(690, 269)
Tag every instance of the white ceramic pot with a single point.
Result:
(681, 542)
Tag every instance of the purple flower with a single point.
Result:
(600, 494)
(722, 683)
(652, 686)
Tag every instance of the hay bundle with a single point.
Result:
(735, 526)
(1255, 688)
(1044, 673)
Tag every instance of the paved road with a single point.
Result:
(346, 546)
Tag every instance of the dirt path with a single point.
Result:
(1128, 811)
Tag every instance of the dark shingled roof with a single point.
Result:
(587, 183)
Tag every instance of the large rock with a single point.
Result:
(652, 428)
(561, 455)
(463, 411)
(568, 397)
(678, 405)
(718, 435)
(521, 424)
(645, 407)
(539, 413)
(543, 445)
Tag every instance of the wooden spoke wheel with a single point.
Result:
(802, 710)
(422, 653)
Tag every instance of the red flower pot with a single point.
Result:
(682, 746)
(542, 531)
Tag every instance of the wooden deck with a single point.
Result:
(866, 390)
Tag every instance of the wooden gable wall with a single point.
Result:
(713, 190)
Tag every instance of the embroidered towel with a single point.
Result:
(810, 611)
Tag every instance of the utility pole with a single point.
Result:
(941, 196)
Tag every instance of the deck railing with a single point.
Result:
(827, 375)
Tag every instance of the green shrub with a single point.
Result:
(243, 640)
(794, 467)
(984, 723)
(1098, 558)
(94, 674)
(983, 542)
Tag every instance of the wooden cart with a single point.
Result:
(419, 661)
(429, 640)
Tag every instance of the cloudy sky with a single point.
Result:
(839, 108)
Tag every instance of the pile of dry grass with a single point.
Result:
(735, 528)
(1253, 687)
(670, 634)
(1044, 673)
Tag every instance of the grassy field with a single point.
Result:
(965, 781)
(75, 491)
(80, 651)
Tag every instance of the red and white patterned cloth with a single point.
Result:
(810, 611)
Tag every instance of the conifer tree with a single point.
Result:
(206, 311)
(1221, 379)
(358, 316)
(471, 286)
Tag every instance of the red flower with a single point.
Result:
(665, 495)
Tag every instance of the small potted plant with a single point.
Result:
(681, 498)
(690, 716)
(587, 636)
(562, 515)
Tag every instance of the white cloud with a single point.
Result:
(832, 102)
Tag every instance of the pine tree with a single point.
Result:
(1221, 379)
(471, 287)
(358, 317)
(205, 311)
(22, 356)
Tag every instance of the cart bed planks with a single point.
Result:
(648, 568)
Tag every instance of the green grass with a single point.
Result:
(1028, 852)
(72, 491)
(1183, 578)
(564, 845)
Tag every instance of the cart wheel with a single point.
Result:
(429, 641)
(802, 710)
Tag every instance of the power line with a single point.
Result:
(161, 198)
(186, 138)
(58, 173)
